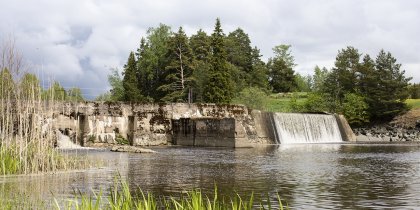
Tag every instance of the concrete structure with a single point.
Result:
(90, 123)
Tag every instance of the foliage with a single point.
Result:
(315, 102)
(381, 83)
(121, 197)
(280, 70)
(355, 109)
(152, 61)
(29, 86)
(414, 90)
(319, 78)
(252, 97)
(117, 88)
(75, 94)
(219, 88)
(131, 91)
(6, 84)
(413, 103)
(55, 92)
(178, 80)
(303, 83)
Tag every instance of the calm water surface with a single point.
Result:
(324, 176)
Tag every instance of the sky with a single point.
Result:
(76, 42)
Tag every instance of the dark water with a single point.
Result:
(324, 176)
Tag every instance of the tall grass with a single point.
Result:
(27, 137)
(121, 198)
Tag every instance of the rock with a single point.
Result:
(133, 149)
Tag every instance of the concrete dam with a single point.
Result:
(95, 123)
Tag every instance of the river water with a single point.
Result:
(307, 176)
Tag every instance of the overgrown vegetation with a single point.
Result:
(171, 67)
(27, 137)
(120, 197)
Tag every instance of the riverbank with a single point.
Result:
(405, 127)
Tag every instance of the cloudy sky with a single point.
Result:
(77, 41)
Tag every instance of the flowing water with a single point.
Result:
(307, 176)
(295, 128)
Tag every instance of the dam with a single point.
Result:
(93, 123)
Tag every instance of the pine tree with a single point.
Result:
(178, 76)
(391, 90)
(131, 92)
(219, 88)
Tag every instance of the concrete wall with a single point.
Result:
(93, 123)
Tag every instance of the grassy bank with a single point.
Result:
(413, 103)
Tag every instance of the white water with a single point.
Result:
(295, 128)
(64, 142)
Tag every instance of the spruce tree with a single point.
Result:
(131, 92)
(219, 88)
(178, 76)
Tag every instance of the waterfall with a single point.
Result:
(295, 128)
(64, 142)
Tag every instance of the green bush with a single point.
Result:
(355, 109)
(315, 102)
(252, 97)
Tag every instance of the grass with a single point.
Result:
(281, 102)
(413, 103)
(120, 197)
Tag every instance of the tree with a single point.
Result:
(55, 92)
(30, 87)
(239, 50)
(391, 90)
(303, 83)
(258, 77)
(280, 69)
(152, 62)
(117, 89)
(355, 109)
(178, 75)
(6, 84)
(319, 78)
(219, 88)
(75, 94)
(131, 92)
(201, 45)
(343, 77)
(414, 90)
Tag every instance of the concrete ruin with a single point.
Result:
(92, 123)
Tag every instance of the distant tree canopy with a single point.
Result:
(173, 67)
(379, 83)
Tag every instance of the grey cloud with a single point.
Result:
(78, 41)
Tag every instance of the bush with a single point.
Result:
(355, 109)
(252, 97)
(316, 102)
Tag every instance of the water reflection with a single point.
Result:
(326, 176)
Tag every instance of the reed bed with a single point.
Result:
(27, 137)
(121, 198)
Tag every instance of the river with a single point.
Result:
(306, 176)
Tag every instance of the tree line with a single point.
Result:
(172, 67)
(27, 87)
